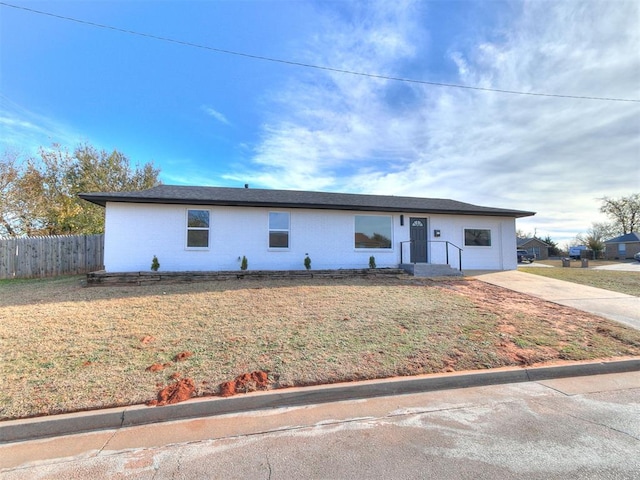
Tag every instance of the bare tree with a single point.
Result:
(623, 211)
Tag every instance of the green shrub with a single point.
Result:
(307, 262)
(372, 262)
(244, 264)
(155, 264)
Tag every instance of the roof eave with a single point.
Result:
(103, 199)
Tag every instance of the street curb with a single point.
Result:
(115, 418)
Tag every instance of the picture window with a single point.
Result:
(476, 237)
(373, 231)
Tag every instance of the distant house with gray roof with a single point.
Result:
(534, 245)
(622, 247)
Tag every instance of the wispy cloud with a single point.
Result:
(332, 131)
(215, 114)
(25, 131)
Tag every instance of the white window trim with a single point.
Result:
(187, 228)
(464, 243)
(372, 249)
(269, 230)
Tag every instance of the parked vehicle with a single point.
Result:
(524, 256)
(637, 256)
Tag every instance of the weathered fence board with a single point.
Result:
(29, 257)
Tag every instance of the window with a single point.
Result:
(475, 237)
(197, 228)
(373, 231)
(278, 230)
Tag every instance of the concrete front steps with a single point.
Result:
(430, 270)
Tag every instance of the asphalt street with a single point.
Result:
(572, 428)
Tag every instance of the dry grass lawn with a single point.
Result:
(68, 348)
(617, 281)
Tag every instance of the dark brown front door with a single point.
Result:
(418, 236)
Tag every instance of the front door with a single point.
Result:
(418, 237)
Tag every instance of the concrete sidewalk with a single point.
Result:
(605, 303)
(579, 427)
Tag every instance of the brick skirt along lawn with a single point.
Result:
(67, 347)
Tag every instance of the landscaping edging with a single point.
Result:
(134, 415)
(102, 278)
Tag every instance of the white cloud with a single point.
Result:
(556, 156)
(25, 131)
(215, 114)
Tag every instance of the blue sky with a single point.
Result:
(209, 118)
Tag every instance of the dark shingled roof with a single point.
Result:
(626, 238)
(254, 197)
(524, 241)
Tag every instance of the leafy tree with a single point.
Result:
(595, 237)
(553, 246)
(8, 176)
(100, 171)
(46, 196)
(624, 211)
(44, 192)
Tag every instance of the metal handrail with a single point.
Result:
(406, 241)
(446, 250)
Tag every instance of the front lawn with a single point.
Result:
(68, 348)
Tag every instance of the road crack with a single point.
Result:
(270, 471)
(115, 431)
(609, 427)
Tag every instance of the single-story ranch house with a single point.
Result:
(622, 247)
(212, 228)
(536, 246)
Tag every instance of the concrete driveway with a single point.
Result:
(621, 267)
(605, 303)
(536, 265)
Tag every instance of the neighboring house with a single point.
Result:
(534, 245)
(211, 228)
(624, 246)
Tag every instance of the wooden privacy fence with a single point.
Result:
(30, 257)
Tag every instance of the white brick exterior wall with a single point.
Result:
(137, 232)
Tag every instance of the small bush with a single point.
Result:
(155, 264)
(307, 262)
(244, 263)
(372, 262)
